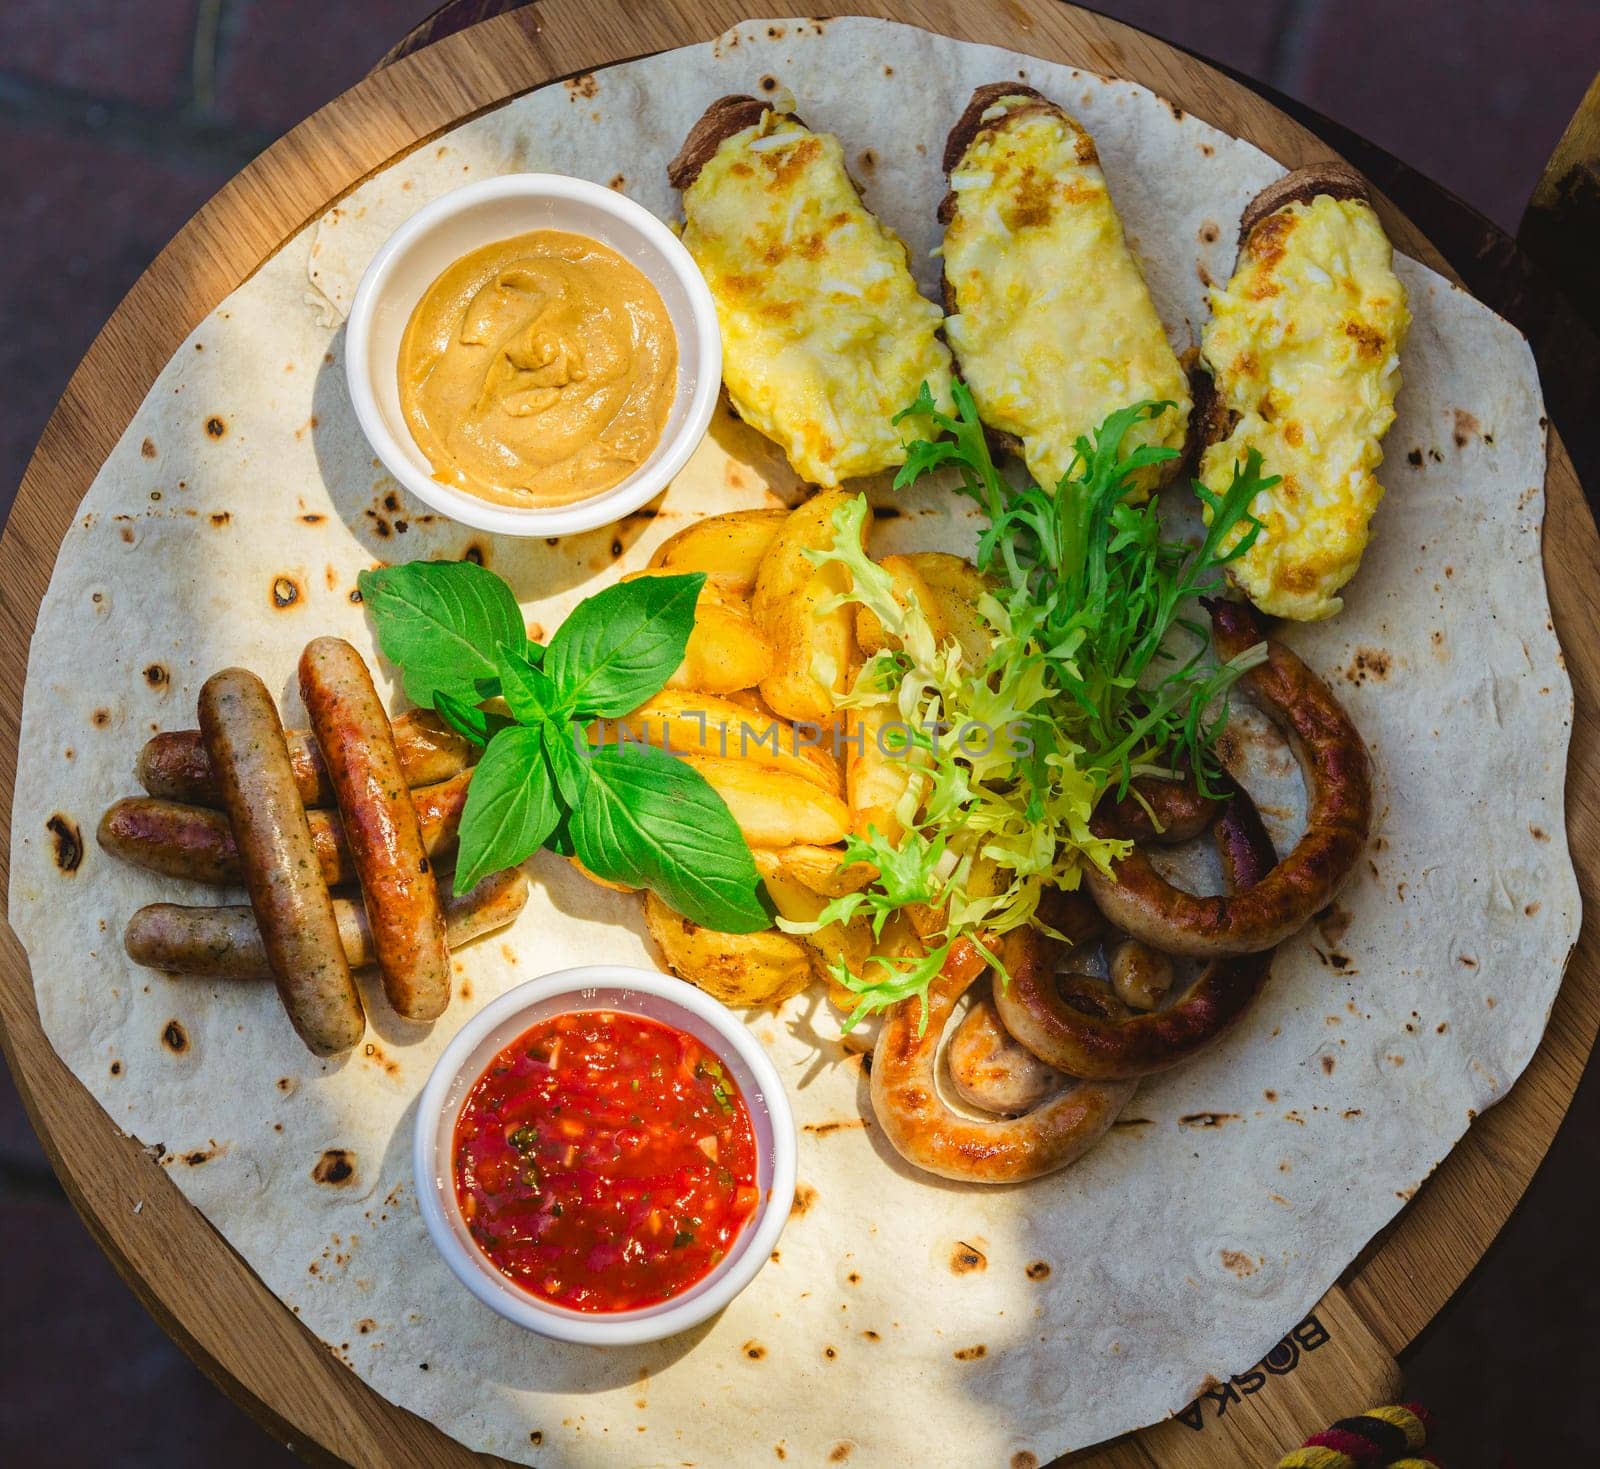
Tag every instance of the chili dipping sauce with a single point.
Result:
(605, 1162)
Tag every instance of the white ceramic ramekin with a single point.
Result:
(479, 214)
(634, 992)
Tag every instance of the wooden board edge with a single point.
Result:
(26, 556)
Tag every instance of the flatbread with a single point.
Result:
(902, 1319)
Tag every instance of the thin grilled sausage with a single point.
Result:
(1333, 761)
(1076, 1024)
(244, 740)
(175, 767)
(225, 943)
(380, 824)
(197, 845)
(926, 1132)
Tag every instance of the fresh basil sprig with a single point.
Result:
(630, 813)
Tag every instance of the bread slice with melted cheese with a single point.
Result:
(1048, 313)
(825, 336)
(1304, 348)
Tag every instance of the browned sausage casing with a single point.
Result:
(197, 845)
(244, 740)
(993, 1072)
(1074, 1024)
(225, 943)
(380, 825)
(926, 1132)
(1332, 759)
(174, 765)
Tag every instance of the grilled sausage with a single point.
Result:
(300, 935)
(225, 943)
(1157, 810)
(926, 1132)
(1333, 760)
(380, 825)
(993, 1072)
(174, 765)
(1076, 1024)
(197, 845)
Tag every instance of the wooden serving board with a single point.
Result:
(1340, 1360)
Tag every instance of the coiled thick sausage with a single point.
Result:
(380, 825)
(993, 1072)
(299, 932)
(1333, 760)
(1077, 1025)
(226, 943)
(926, 1132)
(175, 767)
(196, 844)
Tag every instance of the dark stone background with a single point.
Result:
(118, 118)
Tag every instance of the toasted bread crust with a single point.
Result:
(960, 138)
(971, 122)
(1301, 186)
(1210, 422)
(719, 122)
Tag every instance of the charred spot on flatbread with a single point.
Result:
(66, 843)
(336, 1167)
(285, 592)
(174, 1037)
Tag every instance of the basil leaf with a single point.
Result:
(441, 622)
(651, 821)
(569, 760)
(511, 806)
(620, 646)
(468, 720)
(529, 693)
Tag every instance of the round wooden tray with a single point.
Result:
(183, 1272)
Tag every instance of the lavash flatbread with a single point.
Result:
(911, 1320)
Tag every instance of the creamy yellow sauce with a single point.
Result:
(1304, 343)
(824, 334)
(1054, 327)
(538, 370)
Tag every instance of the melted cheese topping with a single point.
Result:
(1055, 328)
(1305, 347)
(824, 334)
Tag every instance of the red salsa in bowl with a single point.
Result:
(605, 1161)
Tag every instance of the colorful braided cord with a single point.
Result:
(1388, 1435)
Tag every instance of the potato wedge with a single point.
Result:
(605, 882)
(742, 969)
(787, 604)
(954, 585)
(772, 807)
(908, 585)
(703, 724)
(729, 547)
(846, 943)
(818, 869)
(874, 778)
(726, 652)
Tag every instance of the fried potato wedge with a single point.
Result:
(605, 882)
(726, 651)
(743, 969)
(788, 600)
(954, 586)
(818, 869)
(875, 774)
(836, 943)
(909, 586)
(683, 723)
(728, 547)
(772, 807)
